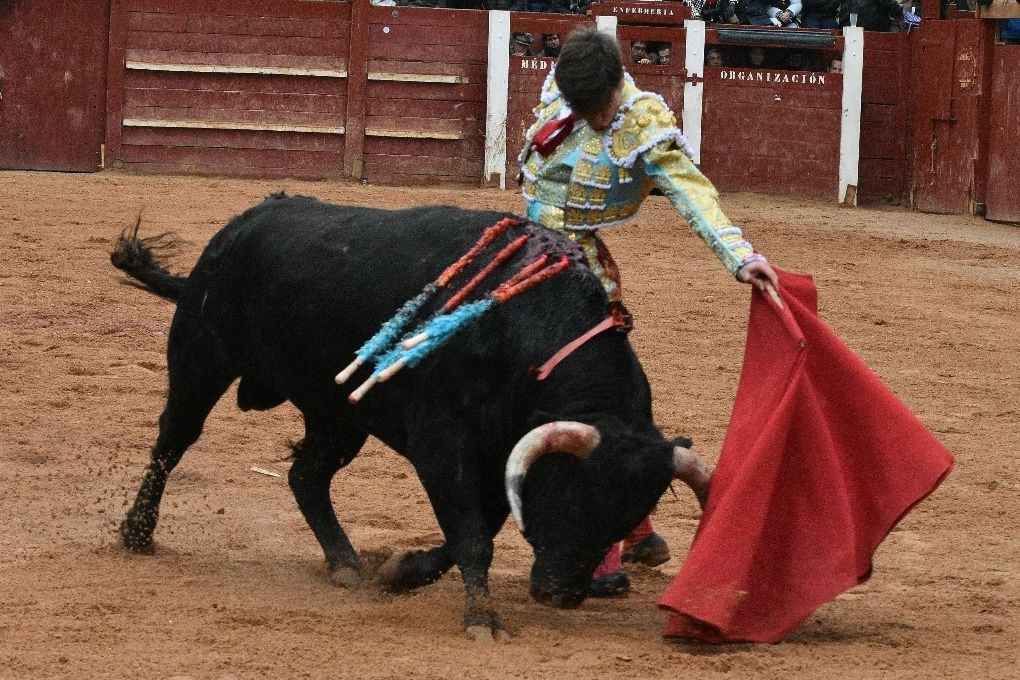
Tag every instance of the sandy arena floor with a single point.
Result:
(237, 588)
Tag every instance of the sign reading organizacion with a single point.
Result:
(766, 76)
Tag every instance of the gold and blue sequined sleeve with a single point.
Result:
(648, 131)
(697, 200)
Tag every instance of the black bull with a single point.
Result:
(287, 291)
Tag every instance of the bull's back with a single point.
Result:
(293, 286)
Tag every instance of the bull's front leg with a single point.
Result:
(454, 489)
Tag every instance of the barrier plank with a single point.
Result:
(226, 82)
(236, 25)
(470, 148)
(232, 139)
(332, 105)
(239, 162)
(298, 9)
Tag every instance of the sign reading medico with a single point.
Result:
(536, 63)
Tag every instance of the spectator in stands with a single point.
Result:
(550, 45)
(713, 57)
(798, 60)
(639, 52)
(654, 49)
(756, 57)
(719, 11)
(785, 13)
(820, 14)
(508, 5)
(551, 6)
(872, 15)
(755, 12)
(909, 21)
(520, 45)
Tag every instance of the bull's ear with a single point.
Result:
(685, 442)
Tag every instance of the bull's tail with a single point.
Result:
(138, 258)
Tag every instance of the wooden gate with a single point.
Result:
(423, 93)
(237, 87)
(886, 137)
(943, 172)
(771, 129)
(52, 90)
(1003, 198)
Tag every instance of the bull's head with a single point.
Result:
(575, 514)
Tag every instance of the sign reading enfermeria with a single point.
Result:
(644, 11)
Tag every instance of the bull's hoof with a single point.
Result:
(650, 551)
(610, 585)
(482, 623)
(136, 540)
(345, 576)
(399, 573)
(485, 635)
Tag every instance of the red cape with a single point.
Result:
(820, 461)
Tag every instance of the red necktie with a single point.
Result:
(552, 133)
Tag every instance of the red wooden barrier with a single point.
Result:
(1002, 201)
(885, 133)
(228, 87)
(772, 130)
(425, 92)
(52, 87)
(397, 95)
(947, 114)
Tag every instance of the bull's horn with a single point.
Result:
(689, 467)
(567, 436)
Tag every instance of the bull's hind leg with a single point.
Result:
(194, 390)
(326, 448)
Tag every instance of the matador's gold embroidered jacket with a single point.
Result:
(595, 179)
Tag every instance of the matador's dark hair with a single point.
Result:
(589, 70)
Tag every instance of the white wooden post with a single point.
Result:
(606, 24)
(694, 92)
(498, 92)
(850, 125)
